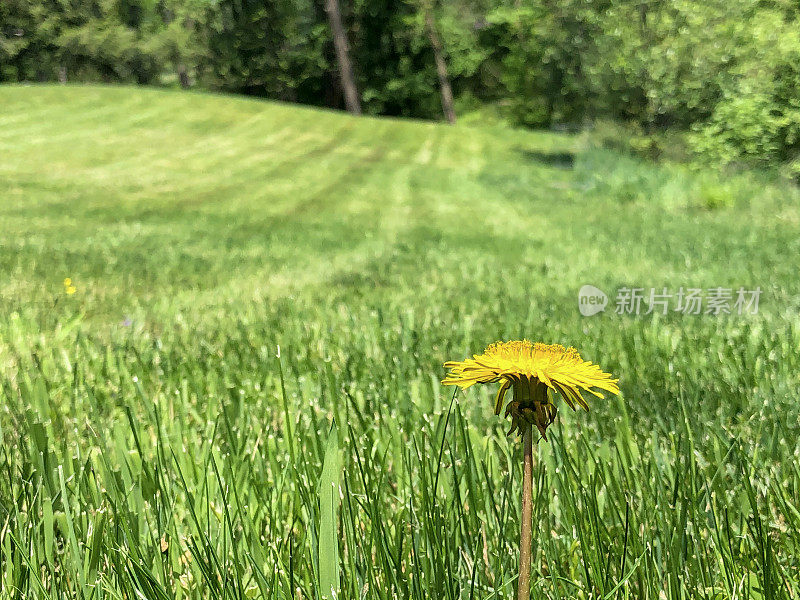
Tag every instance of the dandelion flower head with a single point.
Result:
(69, 289)
(534, 372)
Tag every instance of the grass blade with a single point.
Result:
(328, 518)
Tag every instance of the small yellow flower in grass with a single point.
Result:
(533, 372)
(69, 289)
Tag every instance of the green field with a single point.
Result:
(154, 446)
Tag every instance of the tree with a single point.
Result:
(351, 97)
(441, 66)
(268, 48)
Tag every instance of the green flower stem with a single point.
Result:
(525, 540)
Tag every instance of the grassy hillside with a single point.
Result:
(154, 445)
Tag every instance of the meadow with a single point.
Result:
(247, 274)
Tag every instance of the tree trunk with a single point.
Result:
(351, 99)
(441, 67)
(182, 69)
(183, 76)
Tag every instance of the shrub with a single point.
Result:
(757, 121)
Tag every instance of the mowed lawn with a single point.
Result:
(248, 273)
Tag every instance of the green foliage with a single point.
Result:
(275, 49)
(393, 59)
(146, 451)
(111, 50)
(541, 48)
(108, 40)
(28, 33)
(757, 120)
(666, 63)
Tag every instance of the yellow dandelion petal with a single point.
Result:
(530, 370)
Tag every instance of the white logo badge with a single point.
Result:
(591, 300)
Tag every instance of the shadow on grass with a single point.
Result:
(556, 160)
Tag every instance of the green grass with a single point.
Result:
(174, 455)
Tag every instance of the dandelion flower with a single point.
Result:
(533, 372)
(69, 289)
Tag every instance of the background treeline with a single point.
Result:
(724, 73)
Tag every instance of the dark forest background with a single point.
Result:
(722, 75)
